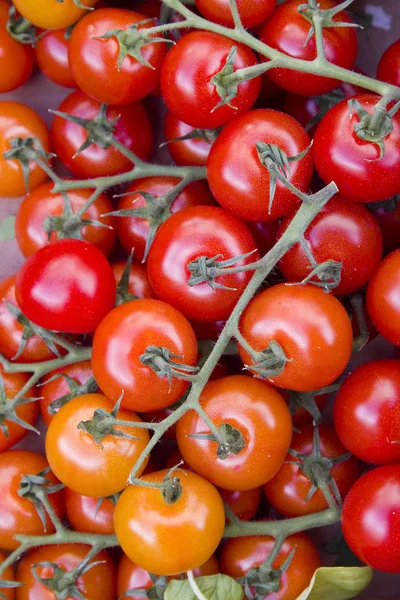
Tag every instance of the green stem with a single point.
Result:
(42, 368)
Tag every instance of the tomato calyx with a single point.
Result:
(76, 389)
(37, 488)
(328, 272)
(123, 294)
(22, 30)
(208, 135)
(63, 584)
(263, 580)
(230, 440)
(268, 363)
(311, 10)
(160, 360)
(156, 592)
(304, 400)
(206, 270)
(25, 150)
(226, 85)
(8, 409)
(104, 423)
(376, 127)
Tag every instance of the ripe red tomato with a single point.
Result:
(51, 14)
(243, 504)
(133, 231)
(66, 286)
(176, 246)
(302, 416)
(371, 518)
(252, 12)
(121, 339)
(104, 79)
(132, 129)
(258, 412)
(286, 30)
(97, 583)
(179, 536)
(388, 219)
(51, 53)
(238, 179)
(42, 203)
(312, 328)
(239, 555)
(19, 514)
(287, 491)
(193, 151)
(186, 79)
(18, 120)
(8, 575)
(264, 234)
(383, 298)
(389, 64)
(343, 231)
(352, 163)
(367, 412)
(81, 463)
(86, 515)
(16, 60)
(139, 284)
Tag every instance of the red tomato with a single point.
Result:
(286, 30)
(139, 284)
(176, 246)
(344, 232)
(18, 120)
(258, 412)
(238, 179)
(243, 504)
(193, 151)
(241, 554)
(102, 77)
(86, 515)
(19, 514)
(383, 298)
(388, 219)
(50, 14)
(208, 331)
(389, 64)
(302, 416)
(16, 60)
(287, 491)
(66, 286)
(352, 163)
(122, 338)
(41, 203)
(264, 234)
(51, 53)
(132, 129)
(371, 518)
(8, 575)
(252, 12)
(186, 79)
(133, 231)
(312, 328)
(97, 583)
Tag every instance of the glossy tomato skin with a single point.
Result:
(287, 491)
(133, 129)
(66, 286)
(371, 518)
(103, 470)
(312, 328)
(51, 53)
(42, 203)
(175, 246)
(8, 575)
(251, 12)
(139, 284)
(50, 14)
(85, 515)
(388, 219)
(286, 30)
(264, 234)
(389, 64)
(193, 151)
(132, 231)
(255, 409)
(186, 79)
(353, 164)
(19, 515)
(98, 583)
(16, 60)
(18, 120)
(241, 554)
(367, 412)
(123, 336)
(94, 61)
(342, 231)
(243, 504)
(383, 298)
(167, 539)
(238, 180)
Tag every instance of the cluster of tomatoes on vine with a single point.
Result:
(121, 334)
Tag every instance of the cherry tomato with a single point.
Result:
(132, 129)
(97, 583)
(41, 203)
(84, 465)
(18, 120)
(238, 179)
(51, 53)
(251, 12)
(94, 58)
(19, 514)
(389, 64)
(239, 555)
(16, 60)
(243, 504)
(388, 219)
(218, 233)
(85, 514)
(133, 231)
(8, 575)
(286, 30)
(208, 331)
(302, 416)
(312, 328)
(164, 538)
(121, 339)
(186, 79)
(371, 518)
(258, 412)
(264, 234)
(343, 231)
(66, 286)
(51, 14)
(139, 284)
(383, 297)
(352, 163)
(193, 151)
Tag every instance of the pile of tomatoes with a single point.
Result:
(107, 329)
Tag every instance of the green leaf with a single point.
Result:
(7, 229)
(215, 587)
(337, 583)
